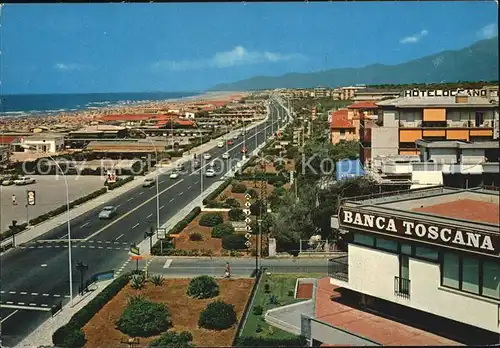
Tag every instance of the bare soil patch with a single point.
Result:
(100, 331)
(304, 291)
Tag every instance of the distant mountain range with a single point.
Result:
(478, 62)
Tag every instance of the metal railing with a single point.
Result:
(402, 287)
(338, 268)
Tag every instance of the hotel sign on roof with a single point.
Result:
(447, 236)
(415, 93)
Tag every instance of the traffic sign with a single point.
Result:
(31, 197)
(248, 244)
(248, 220)
(161, 233)
(247, 196)
(248, 236)
(248, 204)
(134, 249)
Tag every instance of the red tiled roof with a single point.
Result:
(378, 329)
(179, 122)
(127, 117)
(340, 120)
(8, 139)
(363, 105)
(466, 209)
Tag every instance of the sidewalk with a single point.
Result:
(38, 230)
(42, 336)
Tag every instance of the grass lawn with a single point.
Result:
(101, 331)
(280, 286)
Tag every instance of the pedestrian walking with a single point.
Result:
(14, 199)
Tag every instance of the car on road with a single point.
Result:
(107, 212)
(230, 142)
(196, 164)
(148, 182)
(174, 175)
(24, 180)
(226, 155)
(220, 144)
(179, 166)
(210, 173)
(207, 156)
(235, 136)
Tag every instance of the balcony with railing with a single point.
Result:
(402, 287)
(338, 268)
(410, 124)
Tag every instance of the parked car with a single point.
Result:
(24, 180)
(226, 155)
(107, 212)
(174, 175)
(207, 156)
(210, 173)
(220, 144)
(230, 142)
(179, 166)
(148, 182)
(235, 136)
(7, 182)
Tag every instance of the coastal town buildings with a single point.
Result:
(429, 258)
(374, 94)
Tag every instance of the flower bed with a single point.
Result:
(185, 311)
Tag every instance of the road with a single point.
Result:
(36, 275)
(170, 267)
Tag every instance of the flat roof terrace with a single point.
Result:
(465, 219)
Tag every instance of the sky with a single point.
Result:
(127, 47)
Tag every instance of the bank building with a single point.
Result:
(422, 268)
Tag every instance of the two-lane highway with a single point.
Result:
(41, 267)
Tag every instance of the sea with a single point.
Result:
(19, 105)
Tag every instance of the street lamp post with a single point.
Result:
(70, 268)
(157, 178)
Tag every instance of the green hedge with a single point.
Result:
(82, 317)
(217, 192)
(250, 341)
(119, 183)
(63, 208)
(178, 228)
(234, 242)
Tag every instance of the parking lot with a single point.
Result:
(50, 193)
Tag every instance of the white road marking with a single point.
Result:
(9, 302)
(118, 206)
(44, 305)
(85, 224)
(23, 293)
(140, 193)
(180, 194)
(13, 292)
(162, 207)
(7, 317)
(121, 235)
(131, 211)
(147, 217)
(2, 292)
(171, 200)
(63, 237)
(45, 295)
(44, 265)
(131, 198)
(137, 224)
(161, 182)
(167, 263)
(196, 182)
(35, 293)
(57, 295)
(24, 307)
(32, 304)
(21, 303)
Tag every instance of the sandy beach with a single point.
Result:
(80, 118)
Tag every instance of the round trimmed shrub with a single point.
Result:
(253, 193)
(222, 230)
(257, 208)
(211, 219)
(75, 338)
(232, 202)
(234, 242)
(196, 237)
(203, 287)
(239, 188)
(279, 191)
(217, 316)
(236, 214)
(144, 318)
